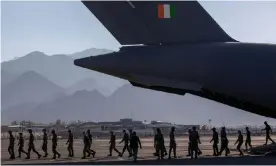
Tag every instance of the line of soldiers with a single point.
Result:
(31, 145)
(194, 140)
(132, 143)
(240, 140)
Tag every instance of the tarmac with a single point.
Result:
(145, 154)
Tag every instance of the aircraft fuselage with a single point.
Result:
(243, 71)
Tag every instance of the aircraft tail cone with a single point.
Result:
(102, 63)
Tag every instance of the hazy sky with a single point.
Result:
(67, 27)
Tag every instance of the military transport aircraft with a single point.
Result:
(177, 47)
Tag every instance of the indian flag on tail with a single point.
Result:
(165, 11)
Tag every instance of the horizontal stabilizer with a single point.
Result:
(155, 22)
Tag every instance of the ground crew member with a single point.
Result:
(32, 146)
(45, 143)
(215, 141)
(159, 143)
(194, 143)
(172, 143)
(224, 142)
(21, 146)
(248, 139)
(126, 140)
(134, 142)
(112, 143)
(11, 146)
(90, 137)
(70, 144)
(240, 142)
(54, 144)
(268, 131)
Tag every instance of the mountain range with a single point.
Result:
(44, 88)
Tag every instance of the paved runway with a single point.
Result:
(145, 154)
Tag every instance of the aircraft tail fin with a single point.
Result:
(155, 22)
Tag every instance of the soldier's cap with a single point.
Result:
(43, 129)
(246, 127)
(20, 133)
(124, 131)
(9, 131)
(265, 122)
(88, 130)
(173, 128)
(30, 130)
(213, 128)
(69, 130)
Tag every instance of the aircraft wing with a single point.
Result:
(155, 22)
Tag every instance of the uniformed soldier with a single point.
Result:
(11, 146)
(172, 143)
(126, 141)
(54, 144)
(45, 143)
(224, 142)
(90, 137)
(130, 136)
(112, 143)
(248, 139)
(215, 141)
(86, 148)
(159, 143)
(268, 131)
(21, 146)
(70, 144)
(240, 142)
(134, 144)
(190, 141)
(194, 142)
(32, 146)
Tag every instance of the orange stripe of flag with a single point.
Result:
(160, 11)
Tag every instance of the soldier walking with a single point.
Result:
(240, 142)
(268, 131)
(45, 143)
(70, 144)
(215, 141)
(224, 142)
(159, 144)
(134, 144)
(21, 146)
(130, 136)
(90, 137)
(248, 139)
(86, 148)
(126, 141)
(172, 143)
(112, 143)
(11, 146)
(54, 144)
(32, 146)
(194, 143)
